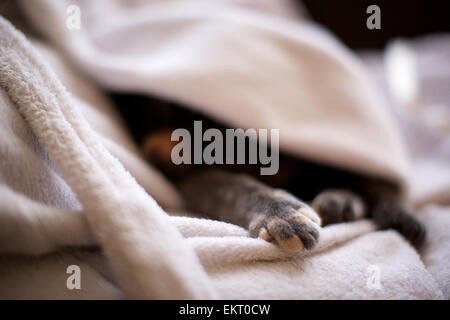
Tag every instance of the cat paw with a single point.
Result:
(289, 225)
(336, 206)
(392, 215)
(413, 231)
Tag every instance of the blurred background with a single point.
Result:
(409, 59)
(398, 19)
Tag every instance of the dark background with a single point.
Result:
(399, 18)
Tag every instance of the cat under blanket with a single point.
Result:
(287, 208)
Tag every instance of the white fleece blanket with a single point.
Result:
(68, 168)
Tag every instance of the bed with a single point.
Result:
(75, 190)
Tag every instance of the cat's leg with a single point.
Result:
(271, 214)
(390, 214)
(336, 205)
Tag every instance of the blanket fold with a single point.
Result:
(105, 195)
(202, 63)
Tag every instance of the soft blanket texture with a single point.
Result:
(224, 60)
(68, 167)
